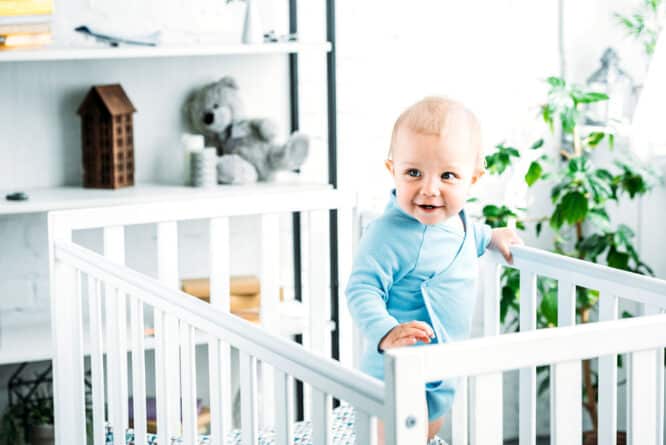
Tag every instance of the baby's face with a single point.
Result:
(432, 174)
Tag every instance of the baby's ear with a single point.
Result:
(389, 165)
(477, 175)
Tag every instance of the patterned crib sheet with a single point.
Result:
(342, 426)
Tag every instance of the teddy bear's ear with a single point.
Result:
(229, 82)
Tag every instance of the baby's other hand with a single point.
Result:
(501, 241)
(407, 334)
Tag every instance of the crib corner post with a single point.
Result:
(406, 413)
(67, 347)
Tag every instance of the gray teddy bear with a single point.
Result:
(246, 147)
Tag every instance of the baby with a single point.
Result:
(415, 271)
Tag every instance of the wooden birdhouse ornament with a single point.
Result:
(107, 138)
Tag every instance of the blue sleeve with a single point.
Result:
(379, 258)
(482, 235)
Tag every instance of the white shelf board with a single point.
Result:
(72, 197)
(51, 53)
(29, 339)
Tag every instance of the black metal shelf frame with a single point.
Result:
(331, 96)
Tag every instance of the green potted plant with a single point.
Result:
(580, 192)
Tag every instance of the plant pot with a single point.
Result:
(590, 438)
(42, 435)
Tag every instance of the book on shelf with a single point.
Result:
(25, 7)
(24, 19)
(23, 40)
(23, 28)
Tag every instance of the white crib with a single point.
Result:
(100, 309)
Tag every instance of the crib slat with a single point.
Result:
(115, 401)
(167, 272)
(566, 403)
(654, 310)
(160, 378)
(365, 428)
(114, 250)
(69, 408)
(219, 353)
(269, 306)
(248, 393)
(138, 370)
(219, 369)
(406, 412)
(321, 417)
(527, 388)
(317, 298)
(188, 382)
(486, 391)
(566, 412)
(283, 425)
(643, 402)
(459, 415)
(348, 344)
(96, 360)
(608, 310)
(486, 400)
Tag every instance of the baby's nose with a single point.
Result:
(430, 187)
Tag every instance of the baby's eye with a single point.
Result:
(447, 176)
(414, 173)
(215, 106)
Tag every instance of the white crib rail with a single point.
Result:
(327, 377)
(486, 421)
(266, 203)
(564, 347)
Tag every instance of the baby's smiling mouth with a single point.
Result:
(428, 206)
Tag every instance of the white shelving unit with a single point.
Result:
(53, 53)
(58, 198)
(25, 336)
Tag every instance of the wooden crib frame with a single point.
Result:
(118, 299)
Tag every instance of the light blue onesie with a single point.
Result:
(405, 270)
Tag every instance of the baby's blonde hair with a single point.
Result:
(434, 115)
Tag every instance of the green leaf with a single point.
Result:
(557, 218)
(588, 98)
(592, 246)
(538, 228)
(555, 82)
(618, 260)
(601, 190)
(568, 117)
(491, 210)
(557, 190)
(533, 173)
(622, 238)
(611, 141)
(594, 138)
(473, 199)
(547, 111)
(604, 174)
(599, 218)
(498, 162)
(573, 207)
(537, 144)
(548, 308)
